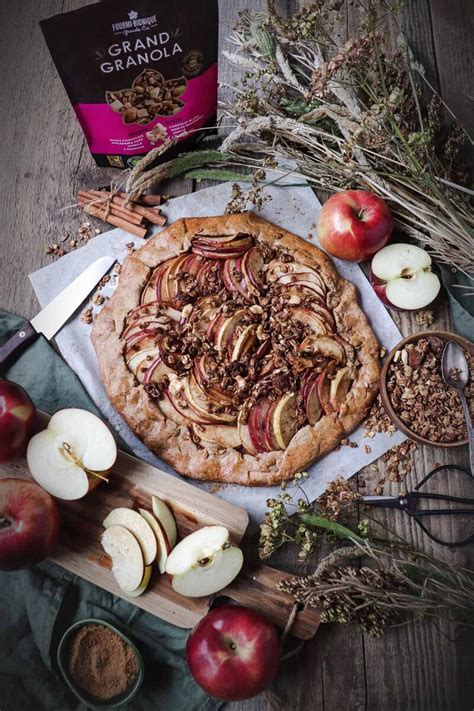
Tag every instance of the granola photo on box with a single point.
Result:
(139, 75)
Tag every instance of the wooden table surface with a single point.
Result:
(45, 161)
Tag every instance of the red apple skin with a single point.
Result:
(17, 419)
(354, 224)
(29, 524)
(380, 288)
(233, 653)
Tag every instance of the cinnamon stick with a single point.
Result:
(113, 219)
(144, 200)
(148, 213)
(97, 198)
(147, 200)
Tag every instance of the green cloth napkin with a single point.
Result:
(37, 606)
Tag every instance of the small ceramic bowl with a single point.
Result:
(83, 696)
(444, 336)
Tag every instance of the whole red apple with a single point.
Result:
(29, 524)
(354, 224)
(17, 418)
(233, 653)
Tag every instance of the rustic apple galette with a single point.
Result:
(235, 351)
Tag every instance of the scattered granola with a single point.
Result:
(425, 319)
(86, 316)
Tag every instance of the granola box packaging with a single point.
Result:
(137, 73)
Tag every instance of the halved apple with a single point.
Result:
(72, 454)
(204, 562)
(127, 558)
(340, 386)
(143, 585)
(136, 524)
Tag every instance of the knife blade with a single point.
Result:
(59, 310)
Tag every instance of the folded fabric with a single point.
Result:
(38, 605)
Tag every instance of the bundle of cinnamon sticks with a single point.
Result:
(135, 218)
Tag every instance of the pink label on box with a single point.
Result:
(106, 133)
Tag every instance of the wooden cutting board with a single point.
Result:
(132, 484)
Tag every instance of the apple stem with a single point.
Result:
(70, 455)
(5, 522)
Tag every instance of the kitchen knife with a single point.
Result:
(59, 310)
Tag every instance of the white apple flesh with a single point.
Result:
(72, 454)
(204, 562)
(141, 529)
(143, 585)
(127, 558)
(402, 278)
(164, 547)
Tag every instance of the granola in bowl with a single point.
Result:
(415, 395)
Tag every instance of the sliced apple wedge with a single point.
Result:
(244, 434)
(72, 454)
(325, 346)
(285, 420)
(245, 342)
(166, 518)
(340, 386)
(127, 558)
(310, 318)
(164, 547)
(141, 358)
(221, 435)
(143, 585)
(141, 529)
(204, 562)
(225, 332)
(324, 388)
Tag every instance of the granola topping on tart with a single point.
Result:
(245, 342)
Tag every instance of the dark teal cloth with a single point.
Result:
(38, 605)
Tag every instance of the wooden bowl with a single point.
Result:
(399, 424)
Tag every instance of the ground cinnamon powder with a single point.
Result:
(100, 662)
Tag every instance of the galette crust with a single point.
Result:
(173, 442)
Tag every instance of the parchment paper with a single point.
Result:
(296, 209)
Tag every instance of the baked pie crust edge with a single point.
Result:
(173, 442)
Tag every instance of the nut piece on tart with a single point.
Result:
(242, 342)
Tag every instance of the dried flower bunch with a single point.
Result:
(398, 582)
(351, 116)
(281, 526)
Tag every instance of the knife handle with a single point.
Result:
(21, 338)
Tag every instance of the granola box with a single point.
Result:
(137, 73)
